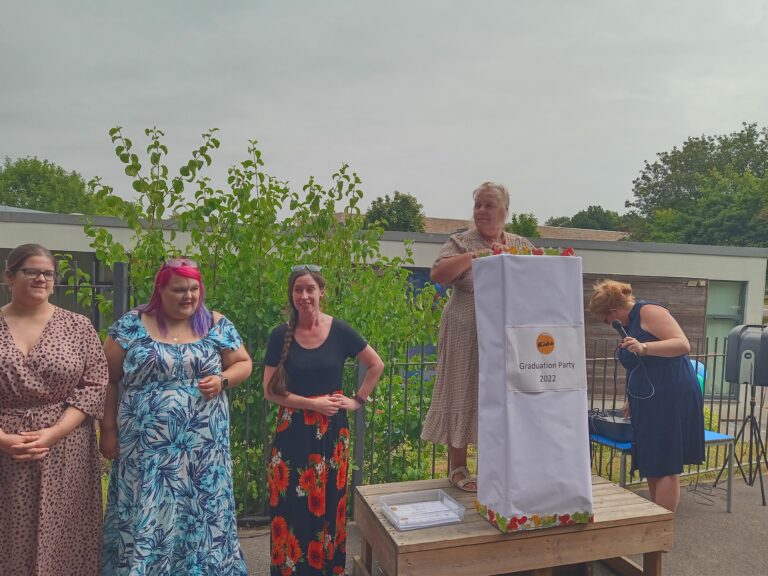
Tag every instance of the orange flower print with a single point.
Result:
(310, 417)
(279, 530)
(315, 555)
(281, 476)
(317, 461)
(316, 502)
(338, 571)
(341, 537)
(292, 548)
(341, 475)
(322, 425)
(308, 479)
(274, 496)
(341, 512)
(287, 571)
(338, 452)
(278, 554)
(284, 416)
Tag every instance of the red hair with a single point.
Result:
(201, 320)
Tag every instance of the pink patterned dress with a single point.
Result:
(50, 509)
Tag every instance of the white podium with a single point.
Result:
(533, 445)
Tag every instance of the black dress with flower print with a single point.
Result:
(307, 471)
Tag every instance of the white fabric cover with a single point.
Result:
(533, 445)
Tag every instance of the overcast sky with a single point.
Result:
(562, 101)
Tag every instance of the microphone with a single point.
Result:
(619, 328)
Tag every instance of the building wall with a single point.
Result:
(748, 265)
(62, 232)
(609, 259)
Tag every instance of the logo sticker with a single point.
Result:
(545, 343)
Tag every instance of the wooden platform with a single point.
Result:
(625, 524)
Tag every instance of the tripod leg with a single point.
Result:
(760, 453)
(735, 457)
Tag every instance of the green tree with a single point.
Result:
(675, 181)
(42, 185)
(732, 210)
(593, 218)
(559, 221)
(402, 212)
(523, 224)
(245, 247)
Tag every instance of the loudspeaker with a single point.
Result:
(746, 359)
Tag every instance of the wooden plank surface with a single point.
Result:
(546, 550)
(613, 507)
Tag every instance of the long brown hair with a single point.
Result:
(278, 383)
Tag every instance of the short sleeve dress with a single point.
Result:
(50, 509)
(170, 505)
(666, 407)
(452, 415)
(307, 472)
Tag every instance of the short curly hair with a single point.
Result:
(609, 295)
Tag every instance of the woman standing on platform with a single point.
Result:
(170, 505)
(665, 402)
(452, 416)
(52, 380)
(307, 475)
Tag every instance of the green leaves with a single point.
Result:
(402, 212)
(245, 237)
(523, 224)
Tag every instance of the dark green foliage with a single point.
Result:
(402, 213)
(42, 185)
(246, 237)
(712, 190)
(523, 224)
(593, 218)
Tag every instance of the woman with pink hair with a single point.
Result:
(170, 506)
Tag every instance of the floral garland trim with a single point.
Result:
(526, 251)
(532, 522)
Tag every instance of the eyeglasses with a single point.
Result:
(179, 263)
(310, 267)
(34, 274)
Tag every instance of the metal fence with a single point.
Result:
(386, 443)
(98, 285)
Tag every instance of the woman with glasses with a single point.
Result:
(170, 505)
(307, 473)
(52, 380)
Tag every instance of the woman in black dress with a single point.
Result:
(665, 402)
(307, 472)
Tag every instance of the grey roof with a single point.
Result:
(4, 208)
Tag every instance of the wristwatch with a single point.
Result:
(224, 382)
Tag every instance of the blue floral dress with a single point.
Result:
(170, 507)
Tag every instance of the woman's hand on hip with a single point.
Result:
(327, 405)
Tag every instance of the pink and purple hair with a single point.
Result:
(202, 319)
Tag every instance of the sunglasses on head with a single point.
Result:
(310, 267)
(179, 263)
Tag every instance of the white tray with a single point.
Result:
(421, 509)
